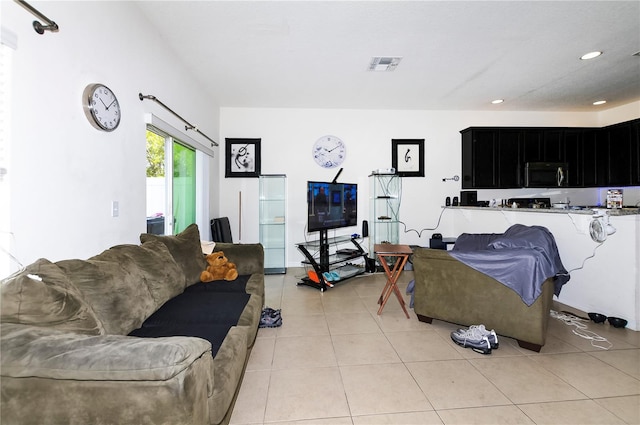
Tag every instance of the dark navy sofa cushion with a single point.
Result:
(215, 334)
(203, 314)
(238, 285)
(200, 307)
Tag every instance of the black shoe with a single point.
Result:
(270, 322)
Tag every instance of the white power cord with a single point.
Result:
(581, 329)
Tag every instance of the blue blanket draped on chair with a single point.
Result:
(522, 258)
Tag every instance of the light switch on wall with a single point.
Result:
(115, 209)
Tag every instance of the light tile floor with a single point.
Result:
(335, 361)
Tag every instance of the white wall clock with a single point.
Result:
(329, 151)
(101, 107)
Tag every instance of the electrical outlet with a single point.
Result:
(115, 209)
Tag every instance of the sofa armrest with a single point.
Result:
(29, 351)
(428, 253)
(53, 377)
(248, 258)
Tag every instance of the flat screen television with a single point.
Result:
(331, 205)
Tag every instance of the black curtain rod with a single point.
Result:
(40, 29)
(188, 126)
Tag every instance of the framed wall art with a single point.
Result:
(242, 158)
(407, 157)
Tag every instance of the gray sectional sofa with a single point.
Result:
(129, 336)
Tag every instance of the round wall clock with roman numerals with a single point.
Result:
(101, 107)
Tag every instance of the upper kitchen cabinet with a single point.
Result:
(542, 145)
(595, 160)
(552, 144)
(619, 154)
(495, 157)
(573, 155)
(509, 153)
(622, 153)
(479, 153)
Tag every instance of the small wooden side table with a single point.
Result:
(401, 254)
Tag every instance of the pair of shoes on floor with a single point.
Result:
(313, 276)
(270, 318)
(331, 276)
(477, 337)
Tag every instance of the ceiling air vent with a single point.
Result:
(384, 63)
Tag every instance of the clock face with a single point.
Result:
(329, 151)
(101, 107)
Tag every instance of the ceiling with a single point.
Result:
(456, 55)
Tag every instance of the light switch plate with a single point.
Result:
(115, 209)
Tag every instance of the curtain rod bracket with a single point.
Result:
(37, 26)
(188, 125)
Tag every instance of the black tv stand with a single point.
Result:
(325, 261)
(335, 179)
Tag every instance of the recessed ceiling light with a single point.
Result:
(497, 101)
(590, 55)
(600, 102)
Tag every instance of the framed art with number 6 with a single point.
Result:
(242, 158)
(407, 157)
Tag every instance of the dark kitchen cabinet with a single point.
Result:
(618, 138)
(542, 145)
(532, 150)
(619, 154)
(509, 168)
(573, 154)
(479, 153)
(552, 145)
(491, 158)
(594, 158)
(495, 157)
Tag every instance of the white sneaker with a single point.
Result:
(472, 339)
(478, 331)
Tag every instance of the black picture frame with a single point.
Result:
(242, 157)
(411, 155)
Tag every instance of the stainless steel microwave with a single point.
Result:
(546, 174)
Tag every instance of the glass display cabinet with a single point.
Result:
(273, 208)
(385, 193)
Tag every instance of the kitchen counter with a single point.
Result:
(572, 210)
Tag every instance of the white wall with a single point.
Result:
(64, 173)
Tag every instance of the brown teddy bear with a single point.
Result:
(218, 268)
